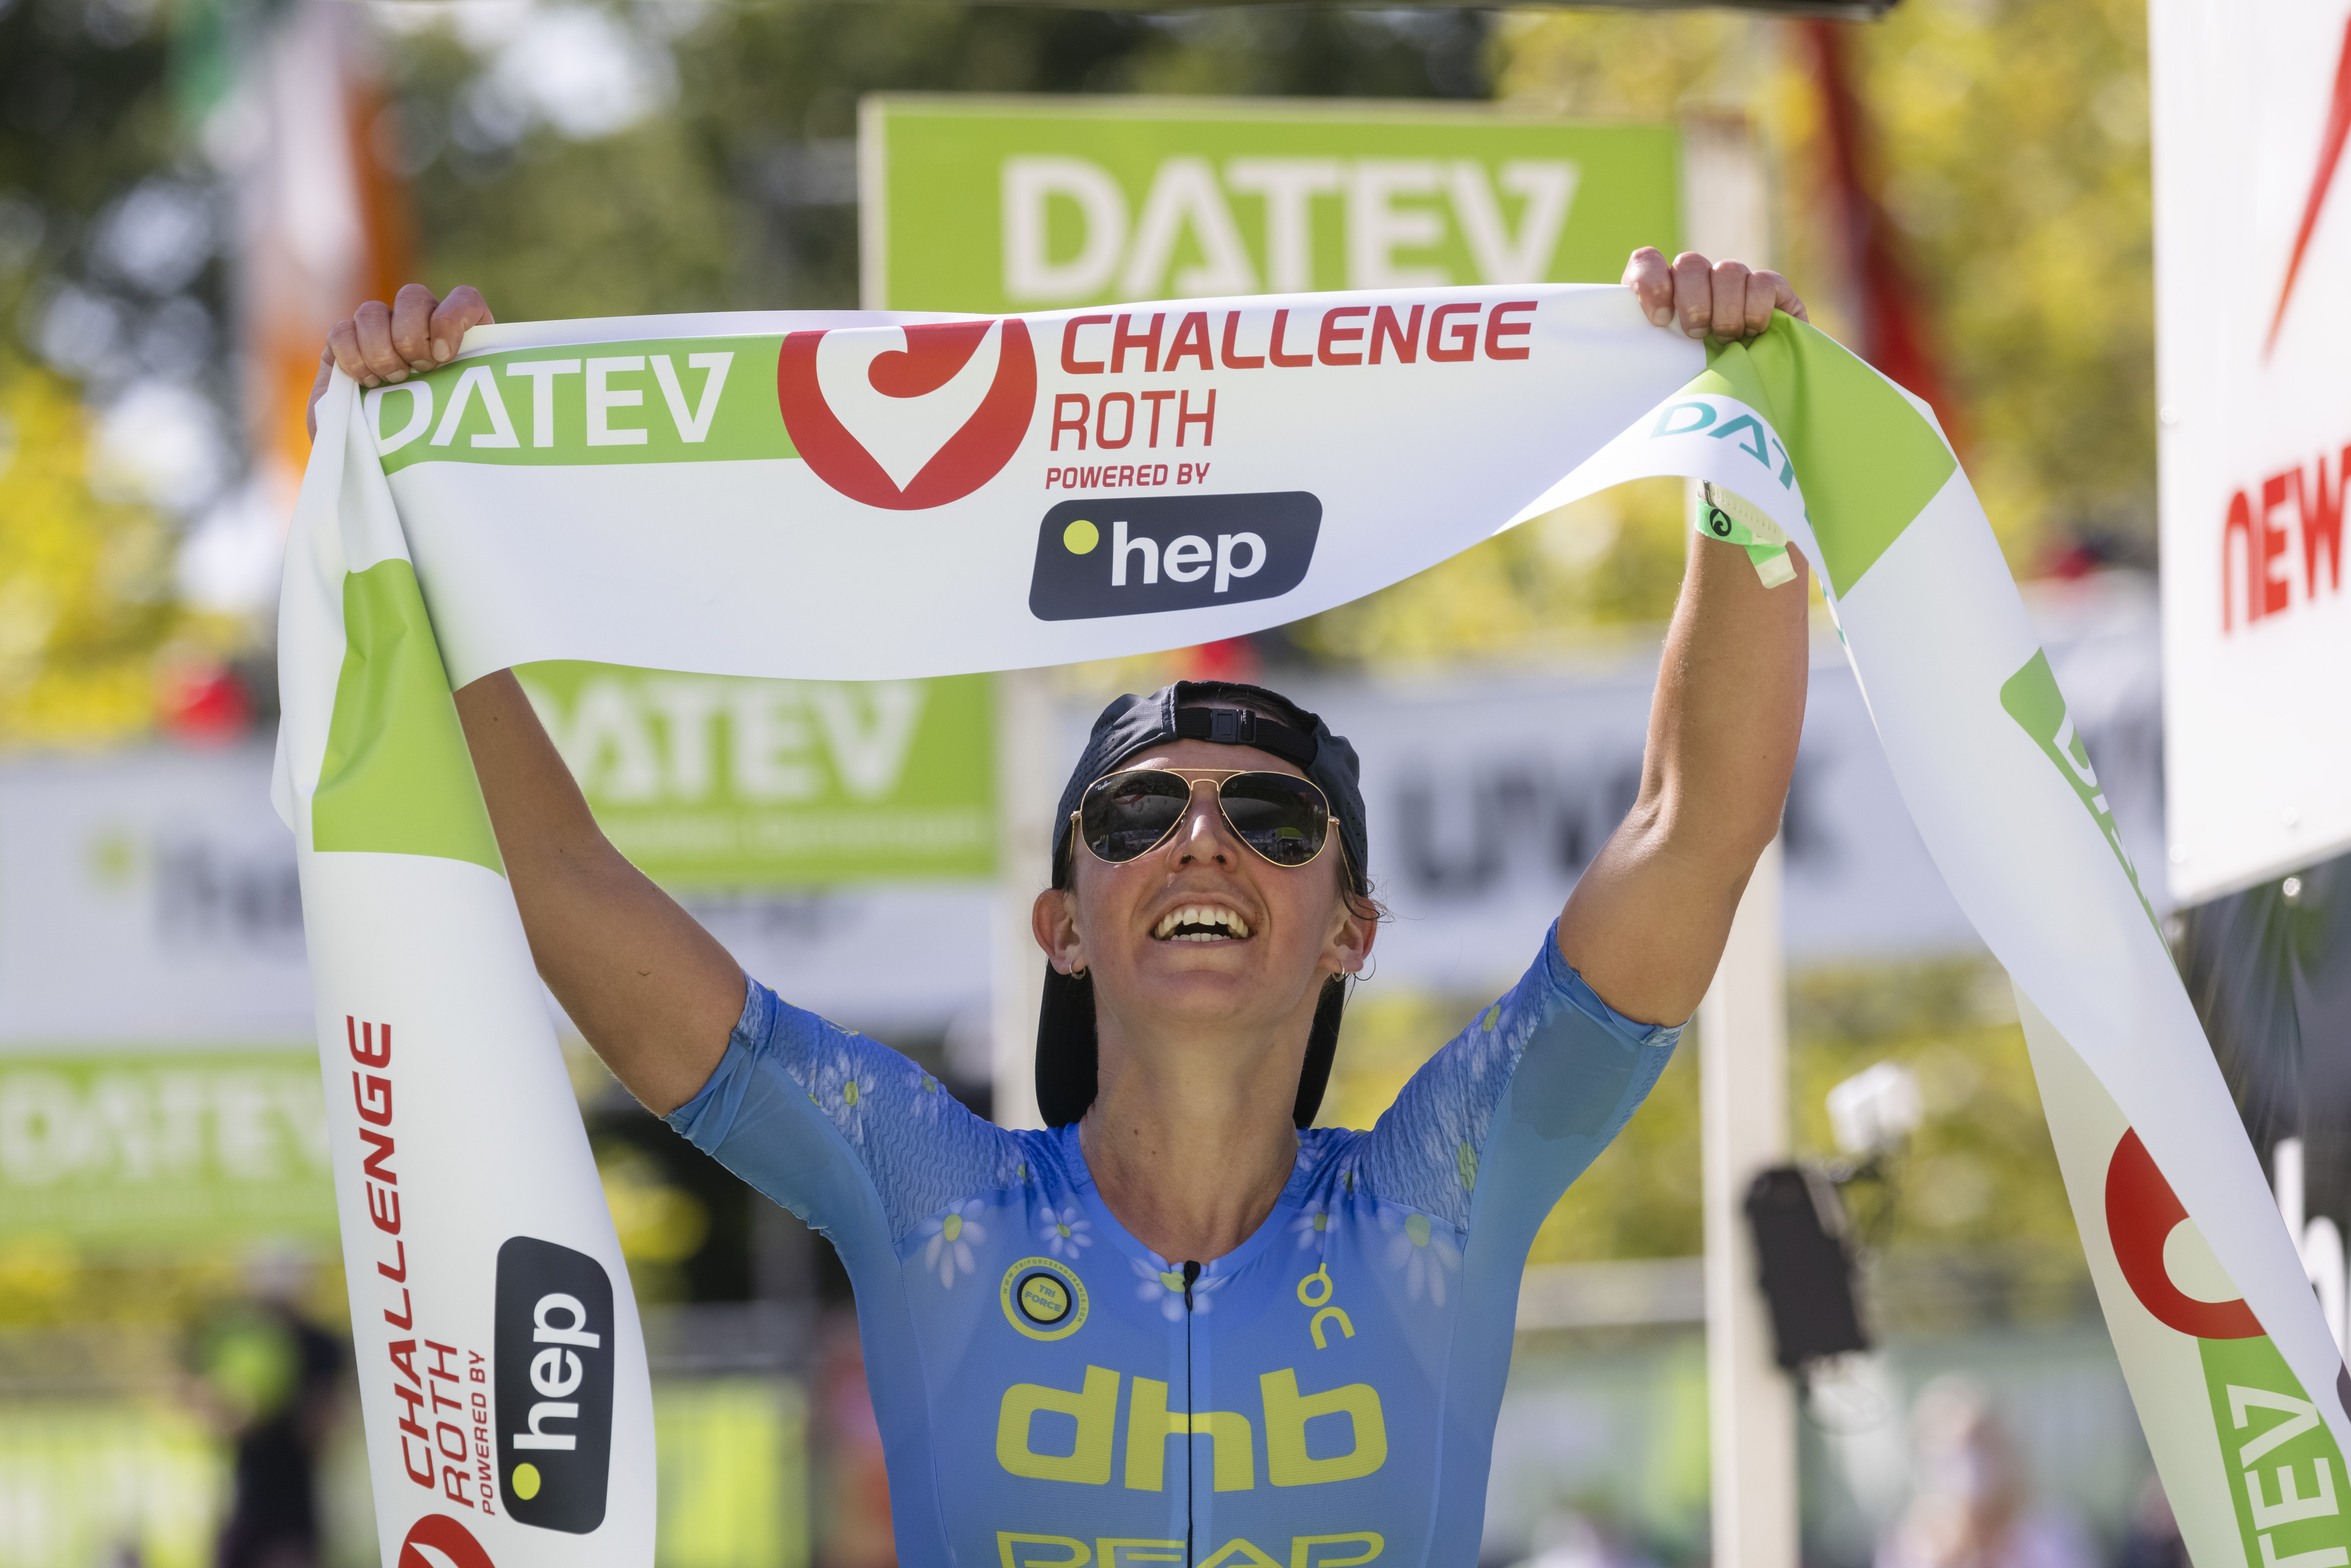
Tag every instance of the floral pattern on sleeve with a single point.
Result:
(948, 1251)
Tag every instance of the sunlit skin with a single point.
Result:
(1190, 1139)
(1198, 1037)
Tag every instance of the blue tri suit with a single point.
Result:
(1052, 1394)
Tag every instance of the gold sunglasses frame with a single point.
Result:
(1193, 776)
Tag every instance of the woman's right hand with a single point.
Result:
(381, 344)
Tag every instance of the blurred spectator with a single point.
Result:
(2152, 1539)
(852, 1488)
(1969, 1511)
(1584, 1540)
(267, 1379)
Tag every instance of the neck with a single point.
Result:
(1191, 1148)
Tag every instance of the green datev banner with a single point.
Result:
(865, 497)
(1075, 201)
(713, 781)
(177, 1148)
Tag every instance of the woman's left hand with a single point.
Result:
(1726, 299)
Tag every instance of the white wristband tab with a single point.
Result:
(1733, 520)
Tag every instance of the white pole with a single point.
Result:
(1025, 794)
(1743, 1039)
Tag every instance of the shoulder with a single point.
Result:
(1550, 1039)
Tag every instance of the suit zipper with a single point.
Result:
(1191, 1272)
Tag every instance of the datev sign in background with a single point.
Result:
(1075, 201)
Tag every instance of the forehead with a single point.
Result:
(1208, 753)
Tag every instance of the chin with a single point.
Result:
(1186, 988)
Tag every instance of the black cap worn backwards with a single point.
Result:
(1225, 713)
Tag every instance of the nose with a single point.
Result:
(1204, 835)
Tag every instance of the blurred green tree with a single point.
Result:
(87, 122)
(737, 192)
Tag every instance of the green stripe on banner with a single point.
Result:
(1868, 461)
(2279, 1460)
(398, 778)
(2032, 698)
(681, 400)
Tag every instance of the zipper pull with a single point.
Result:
(1191, 1272)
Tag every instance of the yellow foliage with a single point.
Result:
(86, 602)
(2012, 156)
(2016, 165)
(1630, 66)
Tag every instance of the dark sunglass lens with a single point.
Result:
(1123, 815)
(1282, 818)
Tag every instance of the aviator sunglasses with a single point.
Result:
(1284, 819)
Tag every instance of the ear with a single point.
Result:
(1053, 918)
(1352, 936)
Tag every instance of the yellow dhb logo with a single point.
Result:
(1150, 1423)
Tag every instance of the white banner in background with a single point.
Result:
(148, 898)
(860, 497)
(1489, 797)
(2252, 241)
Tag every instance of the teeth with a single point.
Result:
(1224, 920)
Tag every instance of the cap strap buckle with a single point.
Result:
(1245, 727)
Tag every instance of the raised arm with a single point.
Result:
(1645, 925)
(654, 992)
(651, 989)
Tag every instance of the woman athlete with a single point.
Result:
(1182, 1326)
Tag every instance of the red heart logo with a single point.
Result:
(2142, 1211)
(443, 1535)
(934, 353)
(929, 361)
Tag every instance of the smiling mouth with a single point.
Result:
(1200, 923)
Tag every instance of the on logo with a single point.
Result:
(554, 1348)
(908, 418)
(1134, 555)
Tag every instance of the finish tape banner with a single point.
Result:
(861, 497)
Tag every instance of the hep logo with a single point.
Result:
(908, 418)
(1141, 555)
(553, 1384)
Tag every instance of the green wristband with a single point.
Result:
(1733, 520)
